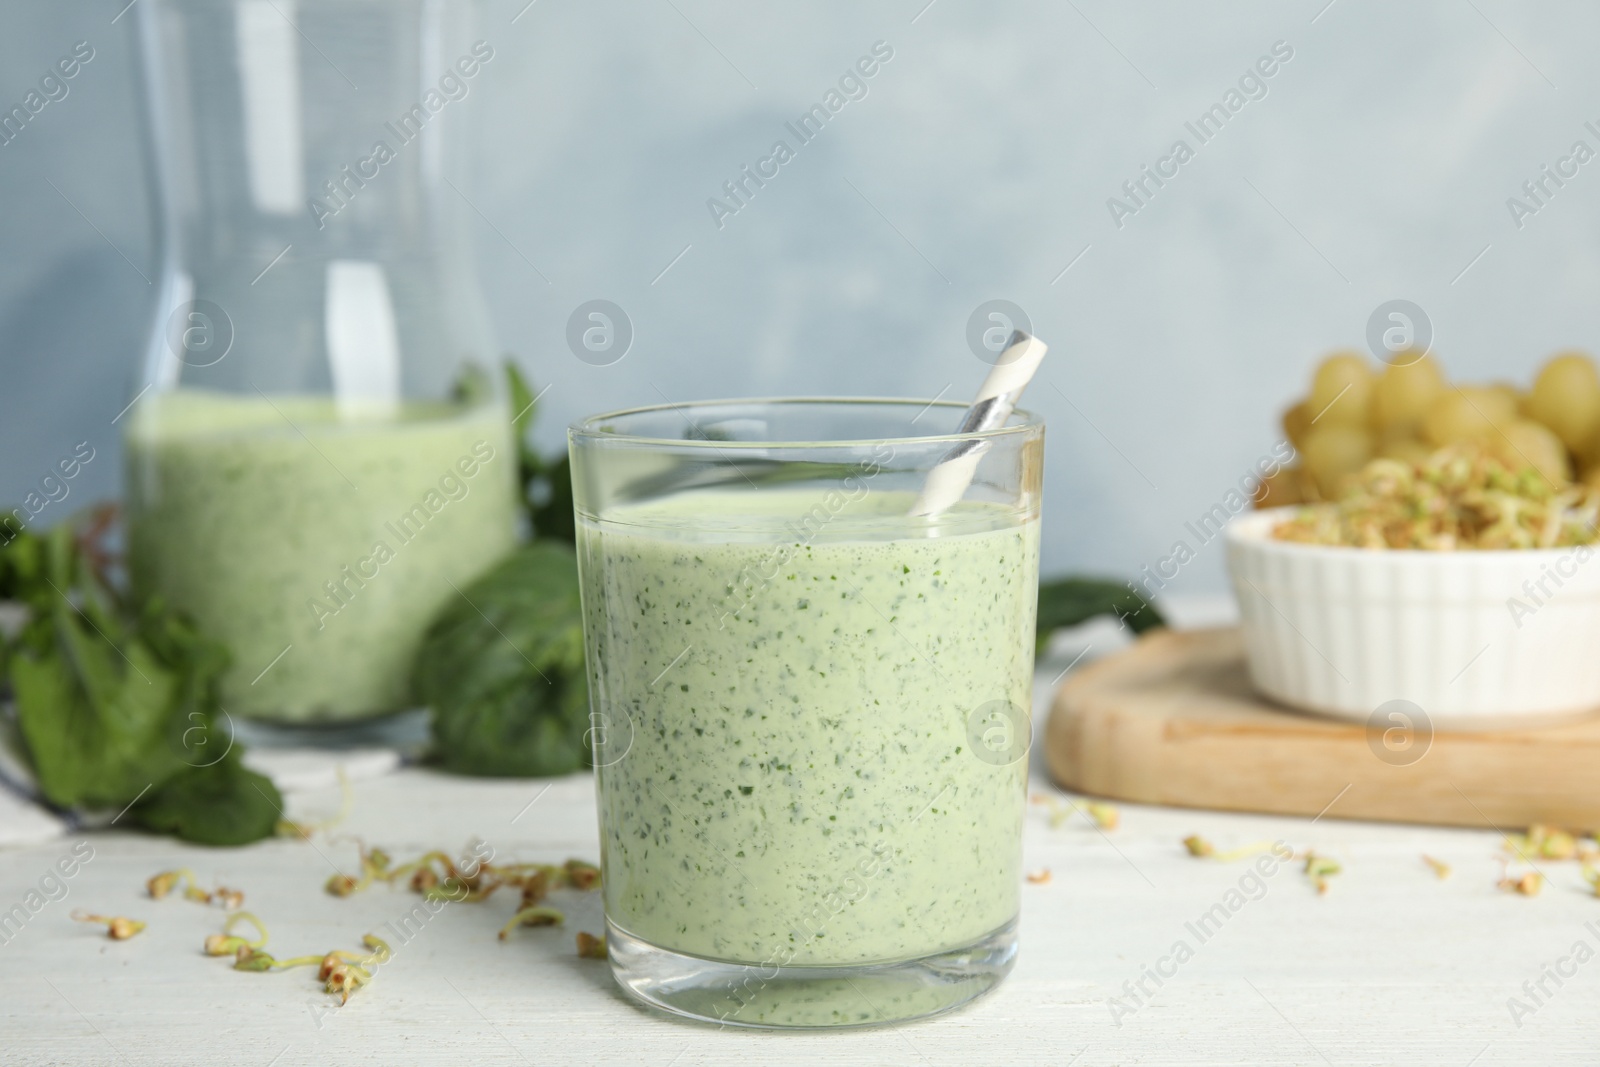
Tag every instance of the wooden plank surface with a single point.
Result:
(1173, 719)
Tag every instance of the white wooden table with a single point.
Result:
(1391, 966)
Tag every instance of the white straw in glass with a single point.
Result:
(993, 406)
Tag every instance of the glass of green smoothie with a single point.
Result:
(317, 459)
(809, 707)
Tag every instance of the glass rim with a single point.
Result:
(1020, 422)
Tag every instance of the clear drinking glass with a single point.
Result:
(317, 451)
(810, 709)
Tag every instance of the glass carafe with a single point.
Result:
(318, 454)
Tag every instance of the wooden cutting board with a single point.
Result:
(1173, 720)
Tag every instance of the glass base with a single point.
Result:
(405, 731)
(809, 998)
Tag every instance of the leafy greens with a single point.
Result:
(105, 697)
(1069, 601)
(503, 670)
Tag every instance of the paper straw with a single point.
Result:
(993, 406)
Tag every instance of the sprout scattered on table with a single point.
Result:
(118, 927)
(165, 882)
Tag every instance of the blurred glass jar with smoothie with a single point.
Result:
(317, 455)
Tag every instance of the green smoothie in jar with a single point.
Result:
(316, 546)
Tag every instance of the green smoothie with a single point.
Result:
(788, 679)
(317, 547)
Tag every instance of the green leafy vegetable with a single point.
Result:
(546, 483)
(554, 518)
(223, 804)
(1069, 601)
(503, 670)
(502, 667)
(104, 696)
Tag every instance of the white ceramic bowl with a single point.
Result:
(1473, 639)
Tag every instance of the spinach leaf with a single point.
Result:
(97, 731)
(223, 804)
(104, 695)
(545, 484)
(502, 669)
(555, 518)
(1069, 601)
(92, 700)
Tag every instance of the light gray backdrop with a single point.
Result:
(1377, 166)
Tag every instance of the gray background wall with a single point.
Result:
(978, 167)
